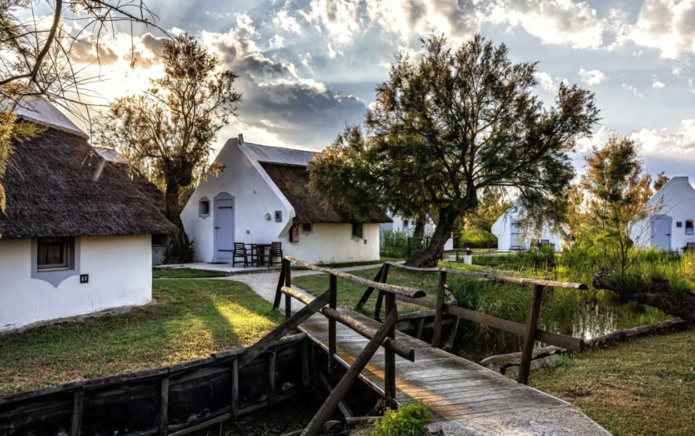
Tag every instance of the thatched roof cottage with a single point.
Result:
(76, 234)
(262, 196)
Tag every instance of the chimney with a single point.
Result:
(241, 139)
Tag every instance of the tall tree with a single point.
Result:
(610, 198)
(167, 132)
(446, 128)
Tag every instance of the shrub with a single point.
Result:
(477, 238)
(409, 420)
(394, 243)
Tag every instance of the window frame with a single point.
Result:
(690, 227)
(357, 231)
(204, 201)
(67, 248)
(306, 229)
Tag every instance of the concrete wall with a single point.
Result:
(253, 199)
(120, 274)
(328, 243)
(502, 229)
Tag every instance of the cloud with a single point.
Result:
(591, 77)
(680, 142)
(286, 22)
(277, 42)
(548, 82)
(658, 84)
(553, 21)
(633, 90)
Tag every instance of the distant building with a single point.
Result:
(262, 196)
(76, 234)
(670, 221)
(513, 234)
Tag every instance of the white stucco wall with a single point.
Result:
(676, 199)
(328, 243)
(398, 225)
(120, 274)
(502, 229)
(253, 199)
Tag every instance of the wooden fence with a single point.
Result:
(529, 331)
(173, 400)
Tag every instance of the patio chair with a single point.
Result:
(240, 252)
(275, 251)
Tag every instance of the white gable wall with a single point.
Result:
(502, 229)
(119, 269)
(330, 243)
(676, 199)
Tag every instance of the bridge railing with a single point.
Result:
(529, 331)
(384, 337)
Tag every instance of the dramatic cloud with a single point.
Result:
(591, 77)
(286, 22)
(680, 142)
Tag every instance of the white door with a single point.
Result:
(661, 232)
(224, 229)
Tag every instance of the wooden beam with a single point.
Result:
(328, 406)
(390, 357)
(368, 292)
(77, 409)
(281, 283)
(333, 304)
(344, 409)
(439, 315)
(530, 335)
(235, 388)
(394, 289)
(380, 297)
(292, 323)
(164, 407)
(271, 377)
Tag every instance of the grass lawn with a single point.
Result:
(642, 387)
(184, 273)
(190, 320)
(349, 294)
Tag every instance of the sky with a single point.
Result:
(308, 68)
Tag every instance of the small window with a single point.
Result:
(204, 207)
(689, 227)
(357, 231)
(278, 216)
(306, 228)
(679, 224)
(405, 224)
(55, 253)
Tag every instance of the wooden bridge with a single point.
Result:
(465, 396)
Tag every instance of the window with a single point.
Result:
(55, 253)
(688, 227)
(357, 231)
(278, 216)
(679, 224)
(405, 224)
(204, 207)
(306, 228)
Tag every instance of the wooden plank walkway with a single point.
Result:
(466, 397)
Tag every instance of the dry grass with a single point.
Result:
(191, 320)
(642, 387)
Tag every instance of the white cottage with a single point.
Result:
(262, 196)
(513, 234)
(76, 234)
(670, 221)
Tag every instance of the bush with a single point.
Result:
(477, 238)
(394, 243)
(409, 420)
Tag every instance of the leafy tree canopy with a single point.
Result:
(449, 126)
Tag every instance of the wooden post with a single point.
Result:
(380, 298)
(288, 283)
(439, 316)
(333, 304)
(328, 406)
(77, 407)
(530, 337)
(271, 377)
(164, 407)
(390, 357)
(281, 283)
(420, 325)
(235, 388)
(288, 306)
(306, 380)
(368, 292)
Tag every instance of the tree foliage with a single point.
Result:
(610, 198)
(448, 127)
(167, 132)
(36, 58)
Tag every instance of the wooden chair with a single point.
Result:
(240, 251)
(275, 251)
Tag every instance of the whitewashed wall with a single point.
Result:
(502, 229)
(120, 274)
(253, 199)
(398, 225)
(328, 243)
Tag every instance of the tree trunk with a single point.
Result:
(429, 257)
(657, 294)
(179, 248)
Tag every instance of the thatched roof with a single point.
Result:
(293, 181)
(57, 185)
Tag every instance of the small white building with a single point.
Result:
(406, 225)
(669, 221)
(262, 196)
(76, 234)
(513, 234)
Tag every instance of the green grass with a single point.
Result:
(184, 273)
(642, 387)
(190, 320)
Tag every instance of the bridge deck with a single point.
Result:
(466, 397)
